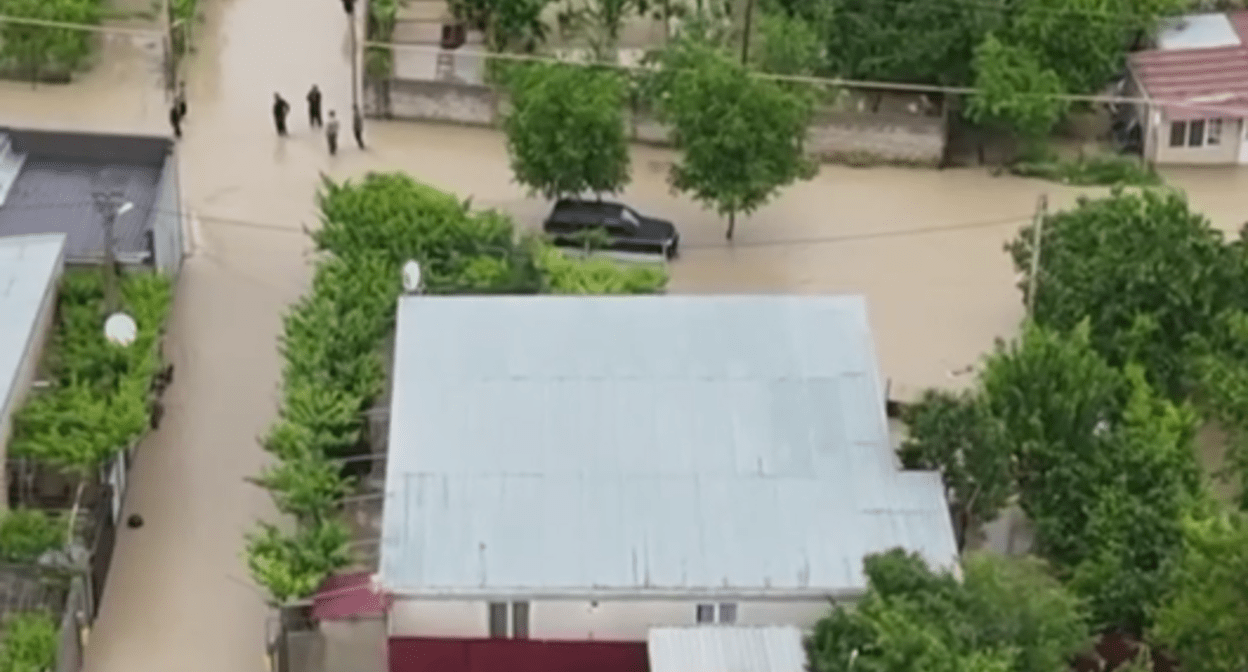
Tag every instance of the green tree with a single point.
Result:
(741, 138)
(601, 22)
(1007, 615)
(566, 130)
(788, 45)
(1014, 90)
(957, 435)
(308, 487)
(31, 642)
(26, 534)
(507, 24)
(1219, 372)
(36, 49)
(920, 41)
(292, 566)
(1105, 465)
(1205, 622)
(1146, 271)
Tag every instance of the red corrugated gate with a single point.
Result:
(412, 654)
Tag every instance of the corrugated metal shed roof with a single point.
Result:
(726, 649)
(1197, 31)
(669, 443)
(28, 267)
(1213, 80)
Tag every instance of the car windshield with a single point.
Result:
(629, 218)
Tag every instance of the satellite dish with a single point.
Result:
(120, 329)
(411, 277)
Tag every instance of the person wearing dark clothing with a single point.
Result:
(180, 100)
(348, 6)
(331, 133)
(314, 107)
(280, 109)
(175, 119)
(357, 126)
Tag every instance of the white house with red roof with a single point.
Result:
(1196, 85)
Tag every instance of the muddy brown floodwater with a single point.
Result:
(925, 247)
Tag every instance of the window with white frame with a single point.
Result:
(723, 613)
(1196, 133)
(516, 627)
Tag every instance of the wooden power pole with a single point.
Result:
(1037, 238)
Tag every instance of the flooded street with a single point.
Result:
(925, 247)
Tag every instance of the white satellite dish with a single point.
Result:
(120, 329)
(411, 277)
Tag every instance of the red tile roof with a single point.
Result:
(1214, 81)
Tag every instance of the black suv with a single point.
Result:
(627, 229)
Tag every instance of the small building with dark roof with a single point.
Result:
(50, 181)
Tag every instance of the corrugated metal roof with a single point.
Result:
(1213, 80)
(643, 443)
(726, 649)
(1197, 31)
(28, 267)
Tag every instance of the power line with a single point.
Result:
(66, 25)
(831, 82)
(832, 238)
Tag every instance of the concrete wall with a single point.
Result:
(69, 655)
(134, 150)
(166, 221)
(835, 136)
(579, 619)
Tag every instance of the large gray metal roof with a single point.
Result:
(726, 649)
(29, 265)
(731, 445)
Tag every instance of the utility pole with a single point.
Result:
(1037, 231)
(745, 37)
(107, 203)
(355, 61)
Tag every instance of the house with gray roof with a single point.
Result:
(30, 271)
(565, 474)
(50, 182)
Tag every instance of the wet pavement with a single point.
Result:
(924, 246)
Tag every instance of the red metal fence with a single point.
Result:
(514, 655)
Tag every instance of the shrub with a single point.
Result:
(30, 643)
(99, 404)
(26, 534)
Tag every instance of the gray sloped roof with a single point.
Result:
(29, 266)
(664, 444)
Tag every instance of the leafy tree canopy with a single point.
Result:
(957, 435)
(1205, 623)
(1007, 615)
(565, 132)
(507, 24)
(1143, 269)
(1105, 468)
(918, 41)
(741, 138)
(1014, 90)
(37, 48)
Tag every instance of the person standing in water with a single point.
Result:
(331, 133)
(357, 126)
(175, 119)
(314, 107)
(280, 109)
(180, 100)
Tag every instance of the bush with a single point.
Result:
(37, 49)
(26, 534)
(30, 643)
(1105, 171)
(99, 404)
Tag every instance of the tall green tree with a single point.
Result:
(509, 25)
(1006, 615)
(919, 41)
(1205, 622)
(787, 45)
(36, 49)
(601, 22)
(1014, 90)
(956, 434)
(1146, 271)
(741, 138)
(1105, 465)
(566, 130)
